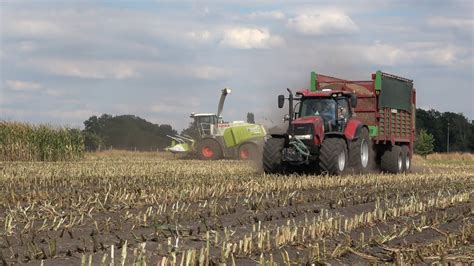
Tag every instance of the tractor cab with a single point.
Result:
(334, 109)
(318, 114)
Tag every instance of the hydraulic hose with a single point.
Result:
(300, 147)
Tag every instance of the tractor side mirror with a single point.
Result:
(281, 101)
(353, 100)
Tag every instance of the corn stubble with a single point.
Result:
(144, 209)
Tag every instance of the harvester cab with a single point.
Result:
(207, 124)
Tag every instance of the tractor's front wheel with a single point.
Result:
(333, 156)
(271, 158)
(209, 149)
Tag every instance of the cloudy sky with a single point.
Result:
(64, 60)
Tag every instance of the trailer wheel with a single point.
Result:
(360, 153)
(248, 151)
(406, 158)
(271, 158)
(209, 149)
(333, 156)
(392, 160)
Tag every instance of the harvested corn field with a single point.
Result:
(145, 208)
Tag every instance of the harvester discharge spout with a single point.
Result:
(220, 108)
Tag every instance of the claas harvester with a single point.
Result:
(216, 139)
(341, 126)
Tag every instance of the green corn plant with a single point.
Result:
(27, 142)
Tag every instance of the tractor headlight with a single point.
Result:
(304, 137)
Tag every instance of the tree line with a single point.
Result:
(125, 132)
(131, 132)
(436, 125)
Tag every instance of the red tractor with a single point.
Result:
(339, 126)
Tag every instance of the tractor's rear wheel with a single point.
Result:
(406, 158)
(271, 158)
(392, 160)
(209, 149)
(249, 151)
(333, 156)
(360, 153)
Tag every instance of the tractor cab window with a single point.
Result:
(324, 107)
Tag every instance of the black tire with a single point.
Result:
(392, 160)
(271, 158)
(360, 153)
(249, 151)
(333, 150)
(209, 149)
(406, 158)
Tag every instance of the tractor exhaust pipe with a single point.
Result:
(291, 112)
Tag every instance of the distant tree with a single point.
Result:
(471, 136)
(250, 118)
(92, 141)
(191, 131)
(125, 132)
(92, 125)
(461, 130)
(425, 143)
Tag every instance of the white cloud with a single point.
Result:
(274, 14)
(88, 69)
(442, 56)
(52, 115)
(26, 46)
(28, 87)
(447, 22)
(383, 54)
(327, 22)
(201, 36)
(250, 38)
(53, 92)
(31, 27)
(123, 71)
(415, 53)
(172, 106)
(209, 73)
(71, 114)
(18, 85)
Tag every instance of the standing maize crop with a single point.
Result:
(26, 142)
